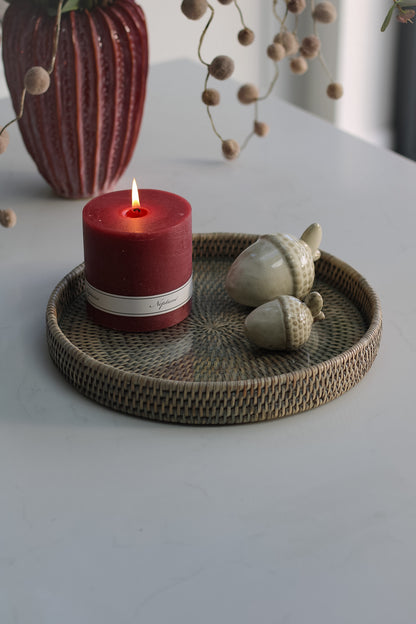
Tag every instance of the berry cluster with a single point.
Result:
(286, 45)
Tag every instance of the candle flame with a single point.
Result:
(135, 201)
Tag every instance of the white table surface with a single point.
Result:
(110, 519)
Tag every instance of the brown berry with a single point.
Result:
(276, 51)
(4, 141)
(245, 36)
(248, 93)
(335, 90)
(194, 9)
(225, 1)
(211, 97)
(37, 80)
(296, 6)
(7, 218)
(325, 13)
(289, 41)
(298, 65)
(230, 149)
(310, 46)
(261, 128)
(221, 67)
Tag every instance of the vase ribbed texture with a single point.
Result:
(82, 132)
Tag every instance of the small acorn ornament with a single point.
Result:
(276, 264)
(284, 323)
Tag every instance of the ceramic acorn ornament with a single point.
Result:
(276, 264)
(284, 323)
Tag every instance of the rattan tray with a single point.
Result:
(204, 371)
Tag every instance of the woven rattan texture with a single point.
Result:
(204, 371)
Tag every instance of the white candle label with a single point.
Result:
(153, 305)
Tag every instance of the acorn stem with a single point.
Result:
(312, 236)
(315, 302)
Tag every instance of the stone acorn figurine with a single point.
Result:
(284, 323)
(276, 264)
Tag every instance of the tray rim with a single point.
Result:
(369, 339)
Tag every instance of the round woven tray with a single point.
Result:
(204, 371)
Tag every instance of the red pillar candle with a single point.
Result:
(138, 260)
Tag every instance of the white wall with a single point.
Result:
(366, 65)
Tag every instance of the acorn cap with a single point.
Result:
(299, 257)
(298, 321)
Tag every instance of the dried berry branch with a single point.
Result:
(286, 45)
(36, 80)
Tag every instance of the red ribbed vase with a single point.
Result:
(82, 132)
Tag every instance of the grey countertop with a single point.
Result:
(106, 518)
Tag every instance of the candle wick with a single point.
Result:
(136, 209)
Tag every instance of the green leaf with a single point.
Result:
(388, 18)
(70, 5)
